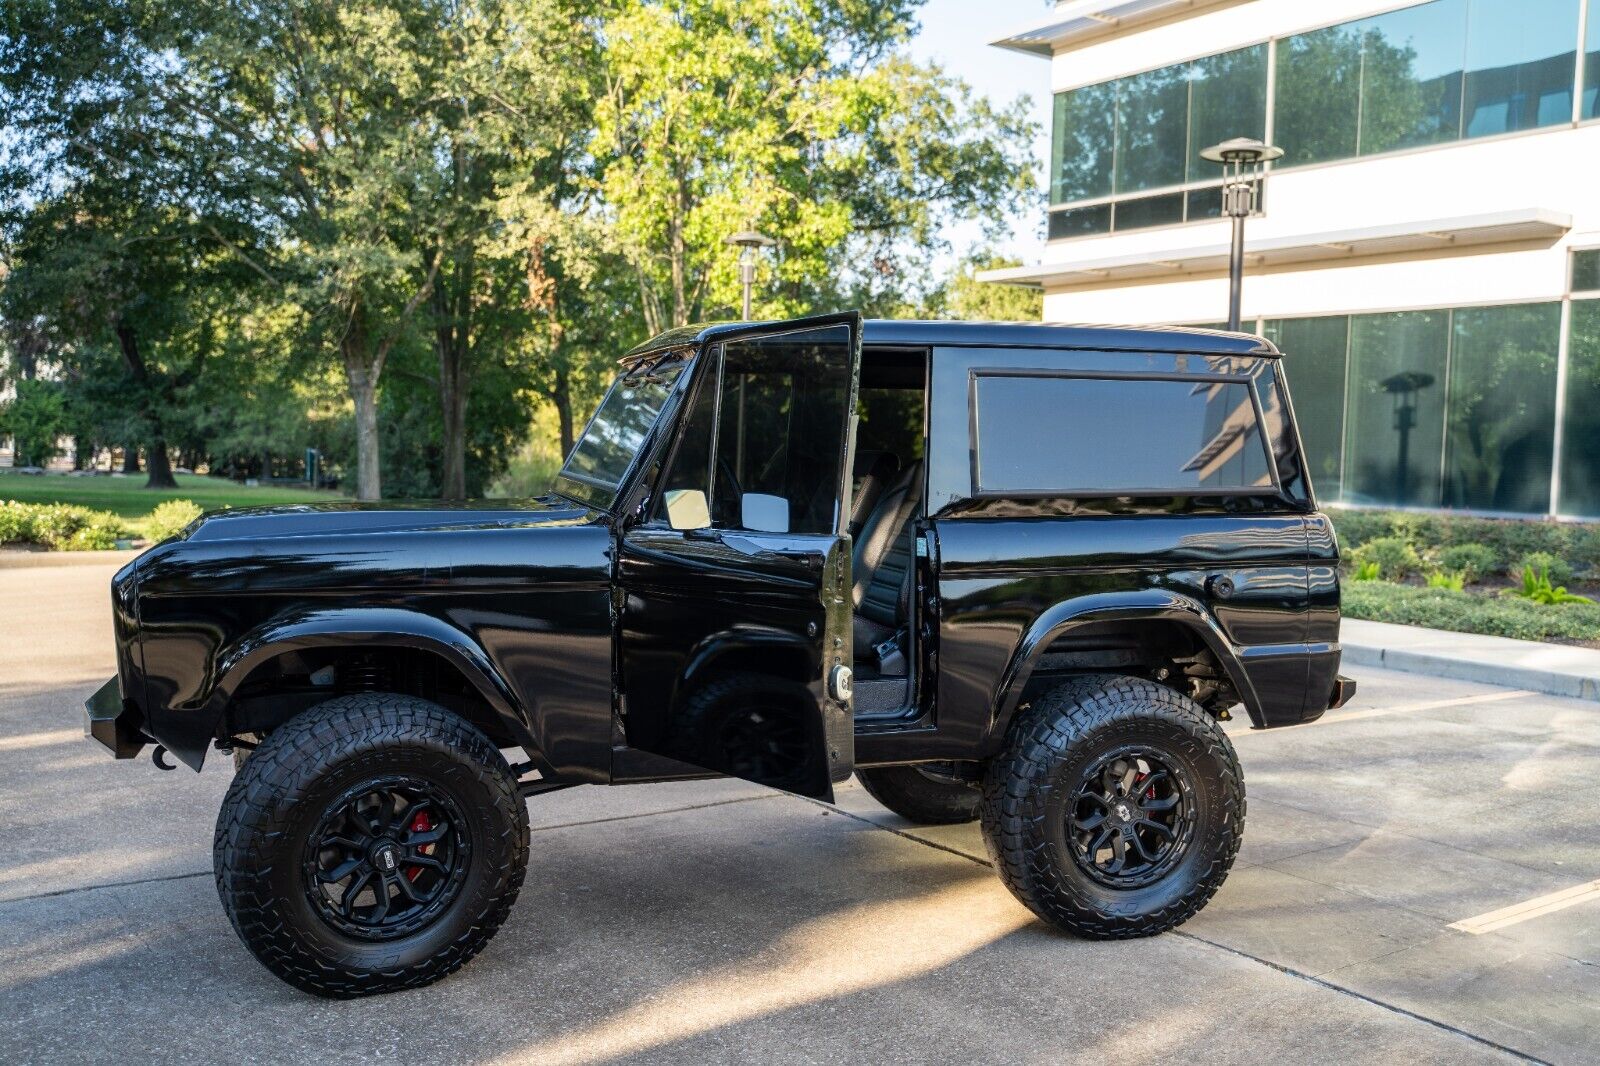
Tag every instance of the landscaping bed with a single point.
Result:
(1526, 579)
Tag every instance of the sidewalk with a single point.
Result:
(20, 558)
(1556, 669)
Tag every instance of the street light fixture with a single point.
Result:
(1243, 161)
(748, 241)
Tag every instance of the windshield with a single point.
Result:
(599, 461)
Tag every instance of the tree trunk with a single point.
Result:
(159, 465)
(130, 459)
(453, 410)
(561, 395)
(363, 379)
(79, 450)
(364, 391)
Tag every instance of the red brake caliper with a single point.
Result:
(420, 824)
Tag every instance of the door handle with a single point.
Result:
(702, 534)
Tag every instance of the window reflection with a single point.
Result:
(1580, 448)
(1394, 432)
(1500, 430)
(1315, 351)
(1049, 434)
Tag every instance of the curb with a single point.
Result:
(1579, 684)
(26, 560)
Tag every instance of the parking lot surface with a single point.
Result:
(1420, 881)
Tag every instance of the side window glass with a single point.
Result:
(762, 444)
(684, 500)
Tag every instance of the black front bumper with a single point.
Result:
(114, 721)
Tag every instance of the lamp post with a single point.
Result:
(1243, 160)
(748, 241)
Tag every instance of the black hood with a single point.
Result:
(334, 519)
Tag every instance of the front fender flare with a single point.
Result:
(372, 627)
(1141, 605)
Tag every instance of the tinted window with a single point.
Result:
(1149, 211)
(1318, 95)
(1083, 143)
(1580, 447)
(1080, 221)
(1591, 63)
(601, 457)
(1586, 270)
(1519, 64)
(1501, 411)
(1228, 98)
(1394, 429)
(1315, 351)
(1152, 129)
(769, 422)
(1058, 434)
(1411, 67)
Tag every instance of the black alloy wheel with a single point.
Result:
(1132, 819)
(387, 858)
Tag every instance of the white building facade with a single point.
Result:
(1428, 250)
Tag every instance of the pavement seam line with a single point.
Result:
(109, 884)
(651, 814)
(1280, 967)
(1363, 997)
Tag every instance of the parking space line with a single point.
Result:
(1528, 909)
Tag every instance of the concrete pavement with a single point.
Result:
(722, 922)
(1554, 669)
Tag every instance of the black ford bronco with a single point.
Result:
(1013, 574)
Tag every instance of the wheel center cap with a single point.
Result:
(1122, 812)
(386, 857)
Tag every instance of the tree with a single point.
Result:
(798, 117)
(35, 418)
(965, 297)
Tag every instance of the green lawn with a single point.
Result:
(127, 497)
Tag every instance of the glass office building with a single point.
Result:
(1428, 250)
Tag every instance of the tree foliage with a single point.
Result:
(388, 228)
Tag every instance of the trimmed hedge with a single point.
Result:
(1511, 539)
(1467, 612)
(60, 526)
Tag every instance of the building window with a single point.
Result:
(1520, 59)
(1178, 436)
(1580, 446)
(1591, 63)
(1501, 407)
(1394, 426)
(1316, 351)
(1146, 131)
(1586, 270)
(1452, 408)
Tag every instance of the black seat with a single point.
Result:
(883, 563)
(873, 473)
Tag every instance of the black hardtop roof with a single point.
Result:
(910, 333)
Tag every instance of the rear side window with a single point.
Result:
(1109, 435)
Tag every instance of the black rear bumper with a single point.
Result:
(114, 721)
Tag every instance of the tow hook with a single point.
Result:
(159, 757)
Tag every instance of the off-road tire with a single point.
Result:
(709, 714)
(1028, 787)
(916, 797)
(284, 788)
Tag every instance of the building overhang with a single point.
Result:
(1078, 20)
(1332, 247)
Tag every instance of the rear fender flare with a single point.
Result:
(1141, 605)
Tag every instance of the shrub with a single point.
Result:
(1394, 555)
(169, 519)
(1554, 568)
(1455, 581)
(1365, 572)
(1472, 561)
(1470, 612)
(60, 526)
